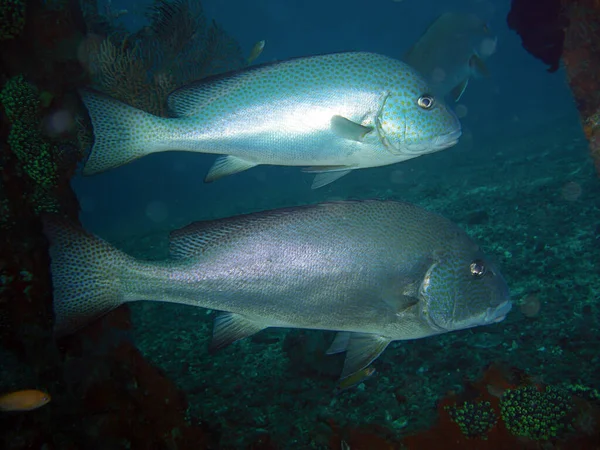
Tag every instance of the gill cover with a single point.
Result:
(438, 295)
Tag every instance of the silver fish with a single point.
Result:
(451, 52)
(375, 271)
(331, 113)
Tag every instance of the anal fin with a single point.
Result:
(340, 343)
(325, 178)
(230, 327)
(362, 350)
(227, 165)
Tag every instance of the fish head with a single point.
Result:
(413, 121)
(462, 289)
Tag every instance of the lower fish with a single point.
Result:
(330, 114)
(374, 271)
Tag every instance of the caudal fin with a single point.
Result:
(122, 133)
(86, 275)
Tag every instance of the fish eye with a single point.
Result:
(426, 101)
(478, 268)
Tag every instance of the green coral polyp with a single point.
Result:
(12, 18)
(475, 419)
(21, 102)
(537, 414)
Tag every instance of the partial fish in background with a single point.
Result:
(25, 400)
(451, 52)
(376, 271)
(256, 51)
(331, 113)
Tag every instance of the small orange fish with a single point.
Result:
(24, 400)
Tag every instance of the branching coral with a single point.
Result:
(178, 47)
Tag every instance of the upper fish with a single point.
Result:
(330, 114)
(451, 52)
(375, 271)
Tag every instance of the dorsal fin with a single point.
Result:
(189, 100)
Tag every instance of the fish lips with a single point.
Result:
(447, 140)
(436, 144)
(499, 313)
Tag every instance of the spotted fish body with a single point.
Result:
(375, 271)
(331, 113)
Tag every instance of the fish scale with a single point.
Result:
(329, 113)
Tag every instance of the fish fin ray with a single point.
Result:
(362, 350)
(227, 165)
(459, 89)
(325, 178)
(85, 273)
(231, 327)
(119, 132)
(348, 129)
(339, 344)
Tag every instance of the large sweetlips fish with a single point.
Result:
(330, 114)
(374, 271)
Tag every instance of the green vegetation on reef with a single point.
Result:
(12, 18)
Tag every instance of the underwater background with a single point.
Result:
(520, 181)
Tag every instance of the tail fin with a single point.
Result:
(122, 133)
(86, 274)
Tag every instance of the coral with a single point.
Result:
(178, 47)
(475, 419)
(537, 414)
(12, 18)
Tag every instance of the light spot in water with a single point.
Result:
(530, 305)
(461, 111)
(59, 122)
(488, 47)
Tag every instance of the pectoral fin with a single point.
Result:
(227, 165)
(347, 129)
(231, 327)
(362, 350)
(459, 89)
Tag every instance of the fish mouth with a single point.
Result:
(498, 314)
(447, 140)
